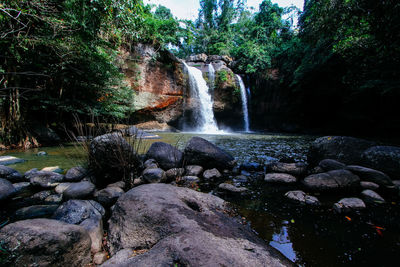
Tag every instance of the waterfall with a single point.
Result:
(204, 118)
(244, 104)
(211, 76)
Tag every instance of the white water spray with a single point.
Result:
(211, 75)
(244, 104)
(205, 120)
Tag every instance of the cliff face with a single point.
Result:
(158, 81)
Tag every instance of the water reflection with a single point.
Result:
(281, 241)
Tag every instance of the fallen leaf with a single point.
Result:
(348, 218)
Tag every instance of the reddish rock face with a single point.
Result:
(158, 82)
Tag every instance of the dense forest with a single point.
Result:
(337, 70)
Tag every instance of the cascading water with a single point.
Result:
(244, 104)
(211, 75)
(205, 121)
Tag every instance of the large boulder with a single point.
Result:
(81, 190)
(302, 198)
(280, 178)
(179, 225)
(76, 211)
(8, 160)
(331, 164)
(332, 180)
(6, 189)
(76, 174)
(44, 242)
(111, 157)
(154, 175)
(298, 168)
(383, 158)
(345, 149)
(45, 179)
(10, 174)
(370, 175)
(108, 196)
(37, 211)
(166, 155)
(201, 152)
(346, 205)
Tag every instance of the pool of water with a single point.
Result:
(306, 236)
(244, 147)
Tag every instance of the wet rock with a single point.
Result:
(53, 169)
(252, 166)
(76, 211)
(383, 158)
(346, 205)
(22, 187)
(370, 175)
(174, 173)
(232, 189)
(344, 149)
(369, 185)
(76, 174)
(281, 178)
(108, 196)
(41, 153)
(166, 155)
(173, 215)
(6, 189)
(81, 190)
(10, 174)
(371, 196)
(331, 164)
(44, 242)
(54, 199)
(94, 226)
(9, 160)
(45, 179)
(332, 180)
(154, 175)
(109, 156)
(150, 163)
(62, 187)
(211, 174)
(193, 170)
(37, 211)
(100, 258)
(298, 168)
(302, 198)
(119, 184)
(201, 152)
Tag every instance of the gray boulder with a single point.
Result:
(190, 179)
(28, 173)
(44, 242)
(344, 149)
(372, 197)
(193, 170)
(45, 179)
(383, 158)
(298, 168)
(302, 198)
(331, 164)
(166, 155)
(56, 169)
(6, 189)
(76, 211)
(230, 188)
(81, 190)
(369, 185)
(76, 174)
(62, 187)
(37, 211)
(8, 160)
(370, 175)
(112, 158)
(150, 163)
(94, 227)
(108, 196)
(181, 225)
(22, 187)
(154, 175)
(197, 58)
(346, 205)
(39, 197)
(201, 152)
(10, 174)
(332, 180)
(211, 174)
(280, 178)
